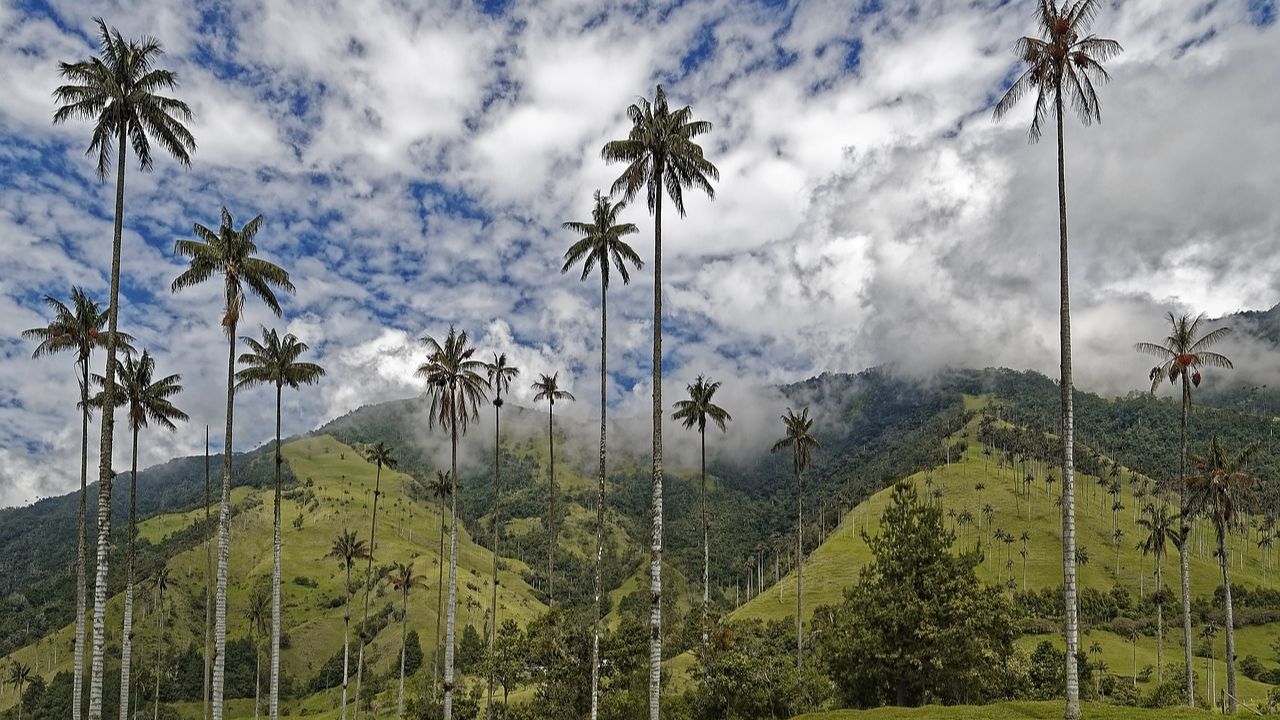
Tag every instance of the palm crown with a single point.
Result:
(1185, 350)
(439, 486)
(118, 92)
(660, 149)
(499, 375)
(403, 579)
(695, 411)
(274, 361)
(602, 243)
(802, 444)
(1221, 486)
(78, 328)
(1063, 64)
(347, 548)
(146, 397)
(454, 381)
(380, 455)
(547, 388)
(231, 253)
(1161, 526)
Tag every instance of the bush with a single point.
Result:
(1169, 693)
(305, 582)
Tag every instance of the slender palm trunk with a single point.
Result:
(368, 585)
(655, 565)
(551, 504)
(346, 643)
(257, 676)
(160, 618)
(126, 640)
(273, 699)
(497, 517)
(105, 474)
(404, 630)
(77, 687)
(1184, 559)
(224, 535)
(1229, 625)
(595, 624)
(437, 658)
(451, 607)
(1159, 623)
(799, 572)
(1068, 448)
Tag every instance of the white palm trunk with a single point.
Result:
(126, 641)
(224, 539)
(273, 701)
(346, 644)
(655, 563)
(404, 638)
(451, 606)
(77, 687)
(595, 627)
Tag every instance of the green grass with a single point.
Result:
(1049, 710)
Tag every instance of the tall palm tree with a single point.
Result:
(1222, 489)
(661, 156)
(694, 412)
(381, 456)
(547, 387)
(147, 400)
(1183, 353)
(230, 253)
(162, 585)
(274, 361)
(1158, 524)
(258, 614)
(441, 489)
(404, 580)
(456, 388)
(602, 245)
(119, 92)
(1063, 64)
(802, 445)
(347, 549)
(499, 375)
(19, 675)
(78, 328)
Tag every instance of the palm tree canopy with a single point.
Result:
(347, 548)
(454, 380)
(380, 455)
(274, 361)
(1185, 350)
(802, 444)
(1160, 525)
(602, 243)
(258, 611)
(118, 92)
(547, 388)
(1222, 489)
(78, 328)
(231, 253)
(404, 579)
(661, 149)
(499, 375)
(162, 580)
(1062, 65)
(439, 486)
(146, 397)
(695, 411)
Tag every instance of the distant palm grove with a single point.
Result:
(995, 537)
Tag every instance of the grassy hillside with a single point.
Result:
(1011, 711)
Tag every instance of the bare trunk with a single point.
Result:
(105, 474)
(551, 503)
(437, 657)
(655, 566)
(1159, 623)
(368, 585)
(160, 618)
(799, 571)
(1229, 625)
(126, 639)
(257, 677)
(77, 687)
(404, 629)
(208, 579)
(1184, 559)
(497, 507)
(451, 607)
(273, 697)
(224, 536)
(598, 590)
(706, 542)
(346, 639)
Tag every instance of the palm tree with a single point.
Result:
(499, 375)
(694, 412)
(148, 401)
(162, 584)
(1158, 523)
(77, 328)
(441, 488)
(1062, 67)
(19, 675)
(231, 253)
(404, 580)
(274, 361)
(381, 456)
(1183, 353)
(547, 387)
(257, 613)
(347, 549)
(602, 245)
(118, 93)
(802, 445)
(1222, 489)
(456, 388)
(661, 156)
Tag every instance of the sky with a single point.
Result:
(414, 163)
